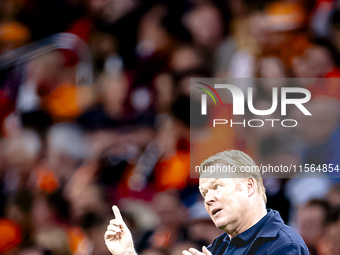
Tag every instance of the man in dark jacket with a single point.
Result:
(236, 202)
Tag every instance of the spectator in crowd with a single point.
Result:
(312, 221)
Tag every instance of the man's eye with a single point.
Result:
(204, 194)
(217, 186)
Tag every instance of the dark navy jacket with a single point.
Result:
(269, 236)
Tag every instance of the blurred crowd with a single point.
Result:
(71, 147)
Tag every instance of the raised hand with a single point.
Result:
(118, 238)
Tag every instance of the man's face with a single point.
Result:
(225, 200)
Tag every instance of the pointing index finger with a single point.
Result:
(116, 212)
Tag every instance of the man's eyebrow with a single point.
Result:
(214, 181)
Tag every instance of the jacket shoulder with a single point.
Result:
(290, 249)
(288, 242)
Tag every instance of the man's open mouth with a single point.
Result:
(215, 211)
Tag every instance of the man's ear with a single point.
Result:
(251, 186)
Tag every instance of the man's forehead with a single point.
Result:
(204, 182)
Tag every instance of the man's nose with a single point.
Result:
(209, 198)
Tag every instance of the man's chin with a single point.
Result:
(221, 225)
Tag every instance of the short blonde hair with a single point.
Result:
(238, 159)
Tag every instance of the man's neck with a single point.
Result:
(250, 219)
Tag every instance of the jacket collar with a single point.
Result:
(267, 227)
